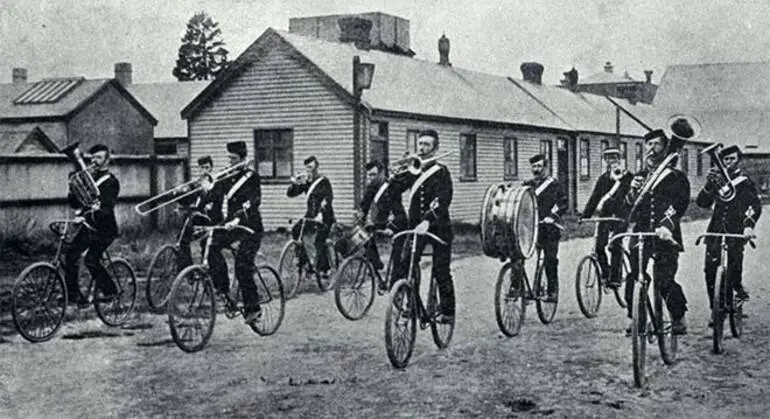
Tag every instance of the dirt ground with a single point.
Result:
(320, 365)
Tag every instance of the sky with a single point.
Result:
(62, 38)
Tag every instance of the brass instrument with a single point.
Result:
(413, 164)
(81, 183)
(726, 190)
(617, 173)
(187, 189)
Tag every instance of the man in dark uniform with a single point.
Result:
(607, 201)
(660, 210)
(551, 204)
(240, 206)
(205, 207)
(99, 230)
(380, 201)
(429, 201)
(319, 207)
(738, 216)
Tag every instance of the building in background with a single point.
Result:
(27, 141)
(608, 83)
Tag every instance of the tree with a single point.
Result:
(202, 54)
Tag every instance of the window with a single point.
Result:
(623, 155)
(165, 147)
(584, 160)
(274, 153)
(411, 140)
(546, 148)
(378, 142)
(639, 157)
(684, 160)
(467, 157)
(699, 164)
(510, 158)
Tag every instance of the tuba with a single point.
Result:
(725, 188)
(81, 183)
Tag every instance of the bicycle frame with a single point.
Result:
(598, 220)
(423, 313)
(58, 263)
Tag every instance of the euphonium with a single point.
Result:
(413, 164)
(725, 189)
(81, 183)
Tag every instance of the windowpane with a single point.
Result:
(639, 157)
(411, 141)
(623, 155)
(684, 160)
(273, 151)
(468, 156)
(283, 162)
(378, 142)
(510, 158)
(584, 159)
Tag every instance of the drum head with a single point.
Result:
(525, 222)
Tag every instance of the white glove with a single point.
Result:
(664, 234)
(232, 223)
(548, 220)
(422, 227)
(748, 233)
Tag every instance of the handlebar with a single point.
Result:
(209, 229)
(640, 234)
(553, 223)
(416, 233)
(601, 219)
(70, 221)
(725, 235)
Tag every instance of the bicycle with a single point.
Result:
(356, 279)
(39, 296)
(589, 278)
(725, 303)
(406, 307)
(295, 262)
(192, 306)
(164, 266)
(659, 324)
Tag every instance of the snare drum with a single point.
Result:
(508, 221)
(357, 238)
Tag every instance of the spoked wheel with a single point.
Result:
(509, 298)
(39, 302)
(588, 286)
(546, 308)
(271, 300)
(160, 276)
(667, 341)
(192, 309)
(290, 268)
(638, 333)
(620, 291)
(116, 311)
(354, 294)
(400, 324)
(718, 312)
(325, 283)
(442, 332)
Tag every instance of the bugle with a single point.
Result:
(726, 190)
(412, 163)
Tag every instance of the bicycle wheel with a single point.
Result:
(546, 310)
(160, 275)
(718, 311)
(271, 300)
(626, 270)
(191, 309)
(290, 268)
(638, 332)
(588, 286)
(326, 283)
(667, 341)
(442, 332)
(116, 311)
(400, 324)
(354, 294)
(38, 302)
(509, 299)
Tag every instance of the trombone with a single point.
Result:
(185, 190)
(413, 164)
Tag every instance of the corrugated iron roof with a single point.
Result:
(165, 101)
(47, 91)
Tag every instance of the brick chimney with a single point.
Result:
(648, 76)
(19, 75)
(123, 73)
(532, 72)
(356, 30)
(570, 79)
(608, 67)
(443, 51)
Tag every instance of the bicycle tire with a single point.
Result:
(327, 283)
(160, 276)
(718, 312)
(442, 332)
(117, 311)
(510, 305)
(588, 286)
(38, 285)
(546, 310)
(271, 300)
(667, 341)
(626, 270)
(354, 293)
(192, 285)
(401, 311)
(290, 269)
(638, 333)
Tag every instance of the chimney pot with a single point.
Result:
(608, 67)
(356, 30)
(19, 75)
(443, 51)
(648, 76)
(570, 79)
(532, 72)
(123, 73)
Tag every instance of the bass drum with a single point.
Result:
(509, 222)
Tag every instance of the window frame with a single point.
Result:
(412, 148)
(546, 149)
(273, 177)
(464, 176)
(510, 162)
(639, 160)
(684, 160)
(378, 139)
(587, 143)
(623, 147)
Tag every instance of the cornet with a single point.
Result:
(725, 189)
(413, 164)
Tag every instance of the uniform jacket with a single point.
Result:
(551, 202)
(430, 198)
(319, 200)
(664, 205)
(732, 217)
(102, 219)
(380, 200)
(607, 197)
(241, 196)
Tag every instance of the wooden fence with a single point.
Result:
(33, 189)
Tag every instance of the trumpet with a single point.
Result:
(187, 189)
(726, 190)
(413, 164)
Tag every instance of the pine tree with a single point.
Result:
(202, 54)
